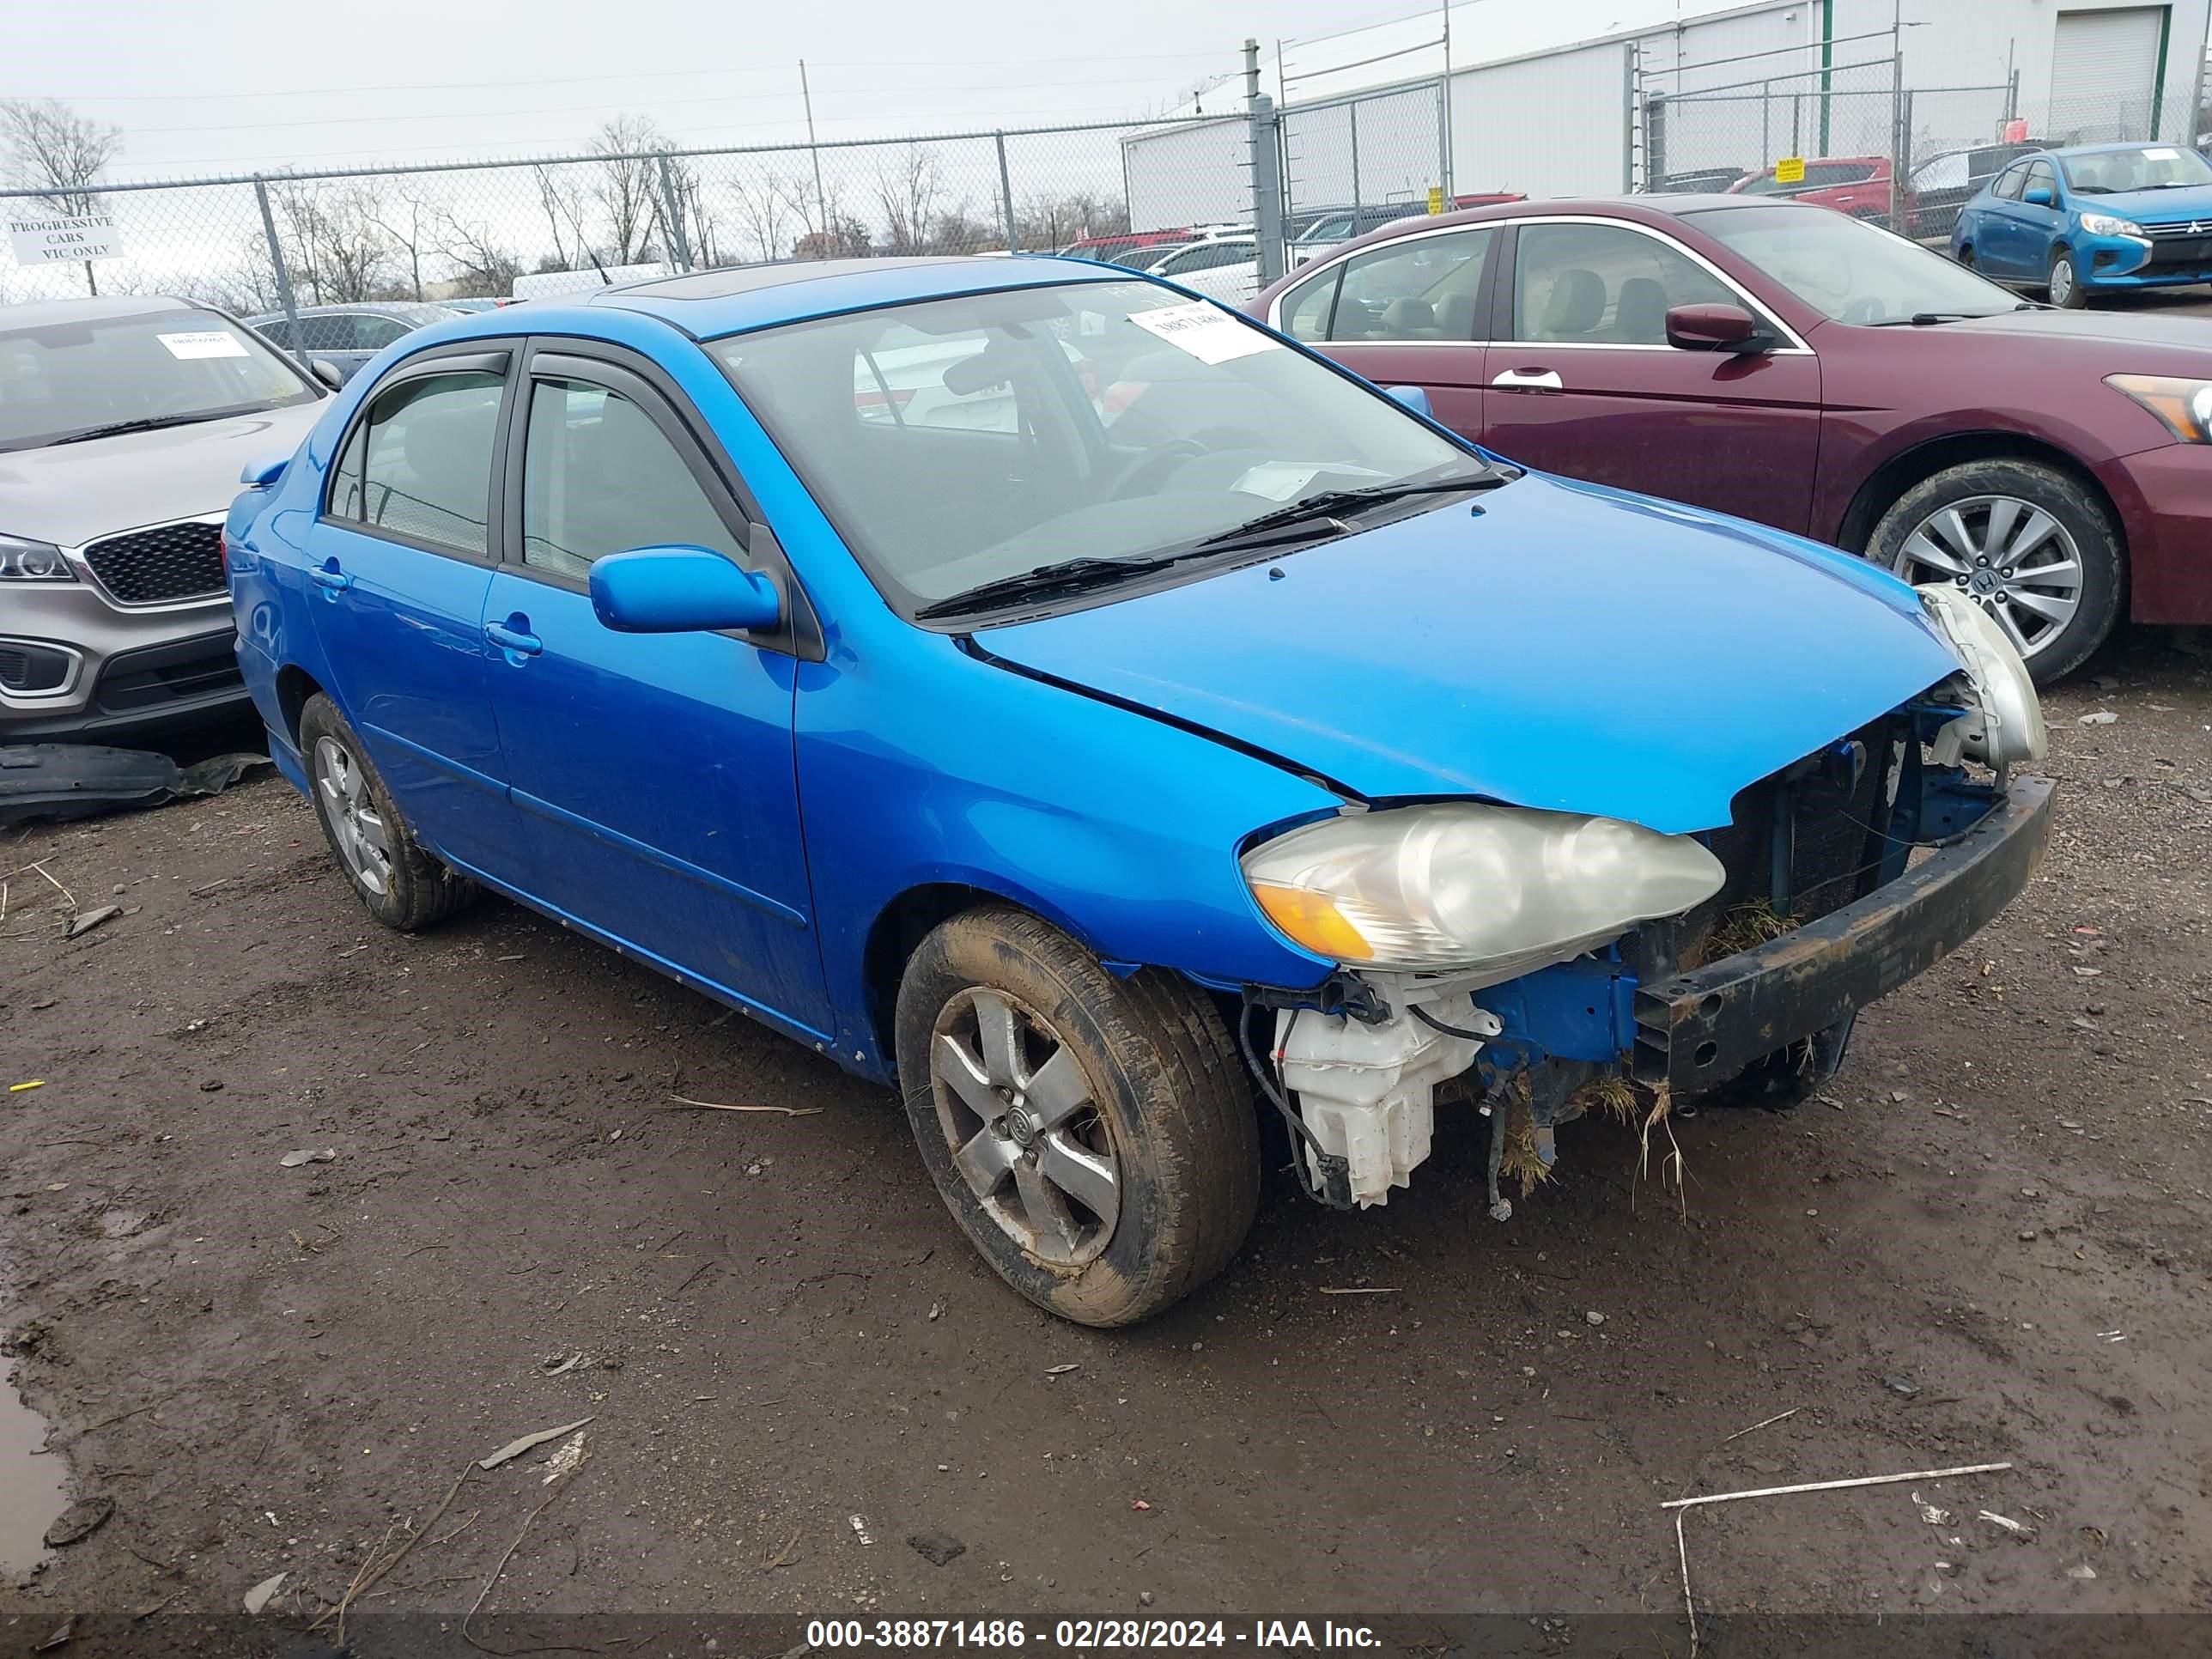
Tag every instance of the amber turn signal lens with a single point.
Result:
(1308, 918)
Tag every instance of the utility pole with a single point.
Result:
(821, 201)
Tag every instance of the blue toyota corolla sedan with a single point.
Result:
(2092, 218)
(1119, 728)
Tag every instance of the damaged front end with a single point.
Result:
(1545, 965)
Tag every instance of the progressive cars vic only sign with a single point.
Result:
(46, 241)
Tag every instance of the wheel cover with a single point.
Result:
(2009, 555)
(1018, 1115)
(2062, 280)
(364, 842)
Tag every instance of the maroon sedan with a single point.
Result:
(1788, 364)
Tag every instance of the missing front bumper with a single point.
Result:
(1697, 1029)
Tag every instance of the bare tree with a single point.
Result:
(700, 234)
(411, 223)
(907, 190)
(560, 195)
(628, 186)
(49, 148)
(333, 246)
(483, 267)
(1049, 221)
(832, 231)
(766, 213)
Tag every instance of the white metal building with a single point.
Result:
(1551, 97)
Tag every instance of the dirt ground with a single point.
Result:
(1986, 1244)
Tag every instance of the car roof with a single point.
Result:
(2108, 148)
(38, 313)
(428, 309)
(709, 304)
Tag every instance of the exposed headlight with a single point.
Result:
(1461, 885)
(2104, 224)
(2007, 726)
(23, 561)
(2184, 405)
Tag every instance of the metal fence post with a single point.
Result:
(2012, 97)
(1266, 170)
(1352, 110)
(284, 277)
(1006, 196)
(671, 211)
(1898, 142)
(1628, 117)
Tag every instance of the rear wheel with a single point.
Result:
(401, 885)
(1093, 1135)
(2065, 284)
(2031, 545)
(1965, 255)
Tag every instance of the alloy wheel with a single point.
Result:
(356, 826)
(1016, 1111)
(2009, 555)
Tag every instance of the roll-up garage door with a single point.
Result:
(2104, 73)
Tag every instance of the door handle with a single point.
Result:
(514, 636)
(328, 575)
(1533, 379)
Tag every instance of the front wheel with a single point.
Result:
(1093, 1135)
(2032, 545)
(2065, 284)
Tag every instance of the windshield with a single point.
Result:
(957, 442)
(2153, 167)
(61, 378)
(1850, 270)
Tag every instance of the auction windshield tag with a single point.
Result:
(1206, 331)
(203, 343)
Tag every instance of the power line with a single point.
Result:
(614, 75)
(419, 116)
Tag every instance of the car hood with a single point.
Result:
(1556, 645)
(71, 493)
(2104, 328)
(2153, 207)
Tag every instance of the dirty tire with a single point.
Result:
(1165, 1080)
(2073, 504)
(2064, 285)
(421, 891)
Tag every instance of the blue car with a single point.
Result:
(1126, 733)
(2091, 219)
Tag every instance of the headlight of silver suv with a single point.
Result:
(2007, 725)
(1455, 885)
(24, 560)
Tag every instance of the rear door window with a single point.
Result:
(1424, 288)
(418, 464)
(2008, 186)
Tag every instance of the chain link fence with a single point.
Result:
(472, 230)
(1363, 157)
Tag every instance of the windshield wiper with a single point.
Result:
(142, 424)
(1063, 576)
(1335, 503)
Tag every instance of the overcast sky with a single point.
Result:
(226, 86)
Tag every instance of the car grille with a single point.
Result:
(2177, 247)
(152, 567)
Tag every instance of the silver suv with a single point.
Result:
(124, 425)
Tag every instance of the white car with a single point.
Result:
(1224, 268)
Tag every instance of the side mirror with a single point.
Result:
(263, 472)
(680, 590)
(1715, 328)
(1414, 398)
(327, 372)
(2037, 195)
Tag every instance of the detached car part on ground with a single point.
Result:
(1126, 792)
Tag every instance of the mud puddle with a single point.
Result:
(31, 1486)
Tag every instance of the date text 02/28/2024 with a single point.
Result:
(1085, 1634)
